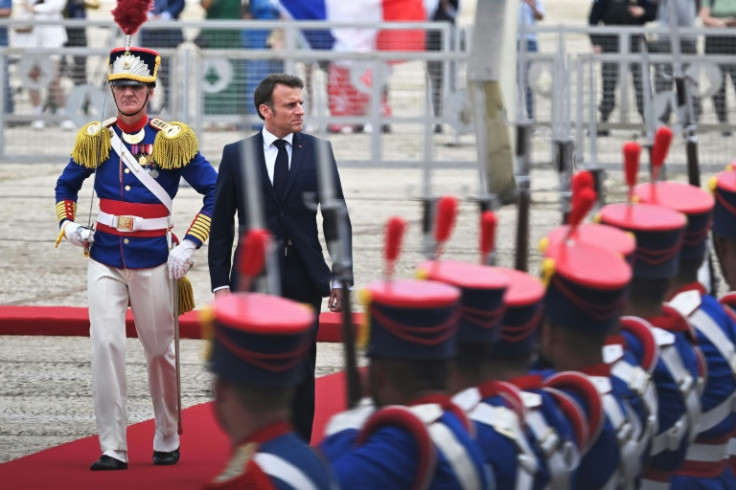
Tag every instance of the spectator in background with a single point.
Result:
(6, 9)
(77, 37)
(45, 36)
(612, 13)
(257, 39)
(446, 11)
(164, 38)
(686, 12)
(530, 11)
(719, 13)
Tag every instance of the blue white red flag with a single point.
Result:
(360, 11)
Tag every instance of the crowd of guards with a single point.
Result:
(612, 368)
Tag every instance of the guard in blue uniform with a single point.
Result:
(723, 187)
(706, 459)
(416, 437)
(557, 427)
(258, 344)
(137, 164)
(659, 232)
(631, 349)
(495, 407)
(586, 292)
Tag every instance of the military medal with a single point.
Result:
(135, 138)
(153, 172)
(143, 161)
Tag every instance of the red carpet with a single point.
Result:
(205, 450)
(74, 321)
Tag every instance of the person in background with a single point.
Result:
(720, 14)
(166, 39)
(77, 37)
(6, 9)
(45, 36)
(446, 11)
(530, 12)
(613, 13)
(685, 13)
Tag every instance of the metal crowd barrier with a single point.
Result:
(372, 104)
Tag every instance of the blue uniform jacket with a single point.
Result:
(114, 182)
(671, 402)
(388, 457)
(720, 387)
(497, 412)
(554, 426)
(277, 456)
(601, 458)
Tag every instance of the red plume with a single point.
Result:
(131, 14)
(662, 141)
(253, 254)
(582, 203)
(632, 151)
(488, 222)
(395, 228)
(446, 213)
(582, 180)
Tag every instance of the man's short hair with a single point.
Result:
(648, 291)
(264, 92)
(415, 376)
(260, 399)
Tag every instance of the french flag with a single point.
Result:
(360, 11)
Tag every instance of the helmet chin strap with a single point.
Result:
(131, 114)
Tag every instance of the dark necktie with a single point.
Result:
(280, 169)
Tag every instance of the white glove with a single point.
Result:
(78, 234)
(180, 259)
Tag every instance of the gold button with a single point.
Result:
(126, 241)
(127, 187)
(127, 170)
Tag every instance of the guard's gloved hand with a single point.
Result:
(181, 258)
(78, 234)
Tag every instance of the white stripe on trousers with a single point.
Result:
(150, 294)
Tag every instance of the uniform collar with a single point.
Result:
(602, 370)
(693, 286)
(135, 127)
(528, 382)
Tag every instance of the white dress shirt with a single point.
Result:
(270, 151)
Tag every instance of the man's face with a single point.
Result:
(130, 98)
(287, 114)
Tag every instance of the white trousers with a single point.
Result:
(150, 294)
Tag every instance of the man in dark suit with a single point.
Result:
(287, 168)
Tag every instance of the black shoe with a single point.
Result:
(437, 129)
(164, 459)
(726, 133)
(602, 132)
(106, 463)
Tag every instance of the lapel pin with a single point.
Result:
(299, 146)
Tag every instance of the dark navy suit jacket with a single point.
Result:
(292, 219)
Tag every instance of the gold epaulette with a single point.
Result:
(175, 144)
(92, 146)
